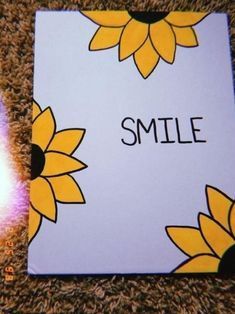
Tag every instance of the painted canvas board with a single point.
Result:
(133, 145)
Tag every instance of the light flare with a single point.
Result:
(13, 194)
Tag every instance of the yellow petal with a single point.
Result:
(105, 38)
(67, 141)
(146, 58)
(60, 163)
(66, 189)
(218, 239)
(133, 36)
(43, 129)
(219, 205)
(189, 240)
(232, 219)
(199, 264)
(163, 39)
(185, 36)
(183, 19)
(34, 223)
(108, 18)
(42, 198)
(36, 110)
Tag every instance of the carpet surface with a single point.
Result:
(101, 294)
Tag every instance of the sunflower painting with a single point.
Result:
(148, 36)
(52, 163)
(211, 246)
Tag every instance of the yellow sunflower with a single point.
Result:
(52, 163)
(148, 36)
(211, 247)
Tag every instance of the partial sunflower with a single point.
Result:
(148, 36)
(211, 247)
(52, 163)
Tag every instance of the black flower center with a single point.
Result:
(227, 263)
(148, 17)
(37, 161)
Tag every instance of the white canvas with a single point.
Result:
(132, 192)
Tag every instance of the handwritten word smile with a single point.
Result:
(136, 130)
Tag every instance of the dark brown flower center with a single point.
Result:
(148, 17)
(227, 263)
(37, 161)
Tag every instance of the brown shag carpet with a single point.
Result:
(114, 294)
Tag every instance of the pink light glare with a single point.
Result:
(13, 194)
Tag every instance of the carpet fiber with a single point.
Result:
(103, 294)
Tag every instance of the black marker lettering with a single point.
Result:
(147, 130)
(194, 130)
(167, 141)
(178, 134)
(130, 130)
